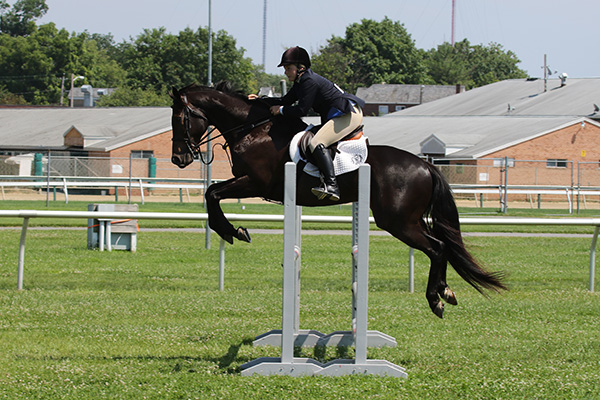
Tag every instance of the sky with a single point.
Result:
(566, 32)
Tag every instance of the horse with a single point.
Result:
(409, 198)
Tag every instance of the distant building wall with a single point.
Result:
(561, 150)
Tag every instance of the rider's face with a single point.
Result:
(291, 71)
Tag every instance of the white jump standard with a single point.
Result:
(290, 335)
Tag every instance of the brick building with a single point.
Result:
(106, 137)
(549, 137)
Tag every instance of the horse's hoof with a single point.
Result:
(243, 235)
(449, 296)
(439, 310)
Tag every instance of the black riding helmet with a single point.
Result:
(295, 55)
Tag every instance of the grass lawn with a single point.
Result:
(153, 325)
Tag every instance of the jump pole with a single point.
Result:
(360, 288)
(290, 335)
(287, 364)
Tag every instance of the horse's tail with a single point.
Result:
(445, 226)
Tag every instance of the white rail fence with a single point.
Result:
(26, 215)
(571, 195)
(138, 184)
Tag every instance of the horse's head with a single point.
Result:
(188, 123)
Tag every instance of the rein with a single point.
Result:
(194, 148)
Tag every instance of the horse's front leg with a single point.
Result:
(235, 188)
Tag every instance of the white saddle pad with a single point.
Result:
(352, 153)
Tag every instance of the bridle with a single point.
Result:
(193, 148)
(189, 111)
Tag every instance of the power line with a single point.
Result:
(25, 77)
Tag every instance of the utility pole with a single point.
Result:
(453, 19)
(264, 54)
(208, 137)
(62, 89)
(209, 43)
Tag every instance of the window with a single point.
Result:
(556, 163)
(398, 108)
(383, 110)
(142, 153)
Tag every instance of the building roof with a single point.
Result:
(525, 97)
(487, 119)
(468, 137)
(106, 128)
(385, 93)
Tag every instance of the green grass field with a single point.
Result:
(153, 324)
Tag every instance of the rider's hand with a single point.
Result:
(252, 96)
(275, 110)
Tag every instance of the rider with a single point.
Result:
(340, 113)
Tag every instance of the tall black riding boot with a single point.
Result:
(329, 188)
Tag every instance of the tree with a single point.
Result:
(91, 58)
(263, 79)
(334, 62)
(7, 97)
(33, 66)
(128, 97)
(20, 20)
(471, 66)
(371, 52)
(27, 71)
(157, 60)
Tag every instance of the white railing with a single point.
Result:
(69, 183)
(66, 183)
(99, 215)
(139, 184)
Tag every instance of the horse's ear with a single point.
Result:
(174, 93)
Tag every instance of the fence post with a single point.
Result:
(578, 183)
(505, 205)
(21, 264)
(48, 181)
(130, 176)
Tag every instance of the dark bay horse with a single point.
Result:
(405, 189)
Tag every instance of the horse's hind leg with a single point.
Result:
(416, 236)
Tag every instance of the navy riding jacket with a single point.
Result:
(312, 90)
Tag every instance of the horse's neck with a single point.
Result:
(226, 111)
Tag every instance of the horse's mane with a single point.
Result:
(228, 88)
(222, 86)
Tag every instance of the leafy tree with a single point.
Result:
(157, 60)
(20, 20)
(27, 70)
(129, 97)
(92, 59)
(335, 63)
(371, 52)
(7, 97)
(471, 66)
(266, 80)
(33, 66)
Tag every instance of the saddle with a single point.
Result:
(333, 149)
(347, 154)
